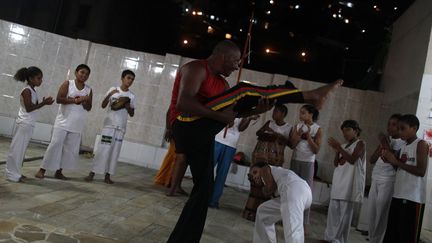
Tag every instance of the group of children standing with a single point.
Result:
(75, 99)
(398, 192)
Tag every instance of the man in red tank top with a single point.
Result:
(195, 82)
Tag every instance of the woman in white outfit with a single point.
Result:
(27, 114)
(75, 99)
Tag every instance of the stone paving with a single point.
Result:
(131, 210)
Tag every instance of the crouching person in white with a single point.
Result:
(121, 103)
(292, 196)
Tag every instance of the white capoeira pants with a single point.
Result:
(63, 150)
(20, 141)
(380, 196)
(295, 198)
(339, 219)
(108, 151)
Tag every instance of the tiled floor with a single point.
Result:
(131, 210)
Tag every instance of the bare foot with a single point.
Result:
(40, 174)
(171, 193)
(59, 175)
(108, 179)
(317, 97)
(182, 192)
(89, 178)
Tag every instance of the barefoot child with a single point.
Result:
(112, 134)
(305, 139)
(348, 182)
(75, 99)
(28, 111)
(409, 197)
(383, 177)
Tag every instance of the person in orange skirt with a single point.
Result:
(165, 176)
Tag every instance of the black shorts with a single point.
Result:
(191, 136)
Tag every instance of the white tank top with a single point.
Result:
(23, 115)
(284, 177)
(303, 152)
(118, 119)
(349, 179)
(409, 186)
(72, 117)
(385, 171)
(232, 135)
(284, 129)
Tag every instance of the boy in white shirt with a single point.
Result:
(348, 182)
(121, 103)
(383, 177)
(409, 197)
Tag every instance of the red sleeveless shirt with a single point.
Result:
(211, 86)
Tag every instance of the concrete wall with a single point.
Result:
(424, 105)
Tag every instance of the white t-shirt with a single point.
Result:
(232, 135)
(24, 116)
(284, 177)
(385, 171)
(72, 117)
(409, 186)
(118, 119)
(349, 179)
(303, 152)
(284, 129)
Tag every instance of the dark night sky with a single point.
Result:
(333, 48)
